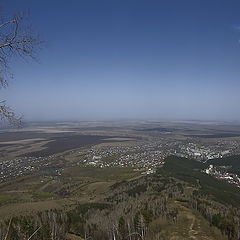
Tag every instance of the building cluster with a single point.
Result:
(151, 154)
(145, 156)
(205, 152)
(10, 169)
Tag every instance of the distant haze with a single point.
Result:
(130, 59)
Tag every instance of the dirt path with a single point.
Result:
(191, 225)
(191, 231)
(46, 185)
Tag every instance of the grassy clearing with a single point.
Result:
(17, 209)
(101, 174)
(43, 195)
(5, 198)
(94, 190)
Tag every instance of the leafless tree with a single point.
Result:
(16, 40)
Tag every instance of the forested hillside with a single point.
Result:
(177, 202)
(232, 162)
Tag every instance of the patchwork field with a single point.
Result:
(77, 184)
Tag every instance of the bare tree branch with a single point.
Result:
(9, 225)
(7, 113)
(6, 23)
(16, 40)
(34, 233)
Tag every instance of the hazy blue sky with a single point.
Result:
(120, 59)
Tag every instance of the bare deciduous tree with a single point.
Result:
(16, 40)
